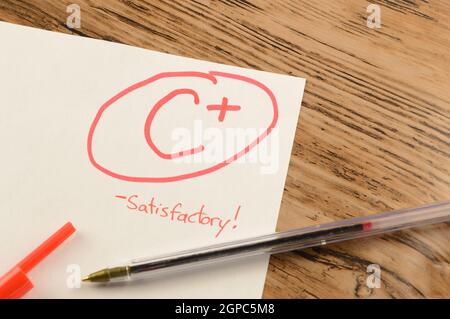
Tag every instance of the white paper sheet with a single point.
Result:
(87, 129)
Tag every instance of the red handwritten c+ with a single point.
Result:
(211, 76)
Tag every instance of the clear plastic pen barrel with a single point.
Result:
(291, 240)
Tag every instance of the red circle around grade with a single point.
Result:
(211, 76)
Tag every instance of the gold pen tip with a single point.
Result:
(105, 275)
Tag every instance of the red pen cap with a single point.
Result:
(15, 283)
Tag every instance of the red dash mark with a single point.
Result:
(212, 77)
(121, 197)
(223, 108)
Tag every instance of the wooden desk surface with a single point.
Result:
(374, 130)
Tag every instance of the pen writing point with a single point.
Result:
(86, 279)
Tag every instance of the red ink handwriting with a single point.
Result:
(212, 78)
(223, 108)
(177, 213)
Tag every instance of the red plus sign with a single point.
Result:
(223, 108)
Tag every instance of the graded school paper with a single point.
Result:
(145, 153)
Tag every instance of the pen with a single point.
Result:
(277, 243)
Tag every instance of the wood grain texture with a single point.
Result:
(374, 130)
